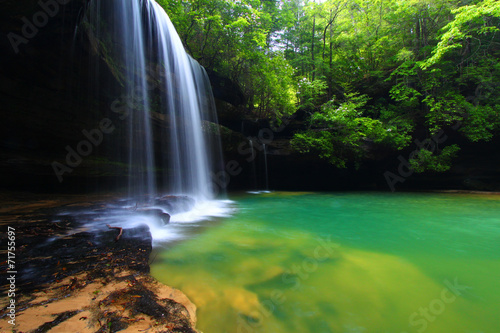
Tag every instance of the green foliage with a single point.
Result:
(425, 160)
(274, 95)
(481, 123)
(367, 72)
(233, 38)
(311, 94)
(403, 91)
(342, 133)
(469, 21)
(318, 142)
(444, 110)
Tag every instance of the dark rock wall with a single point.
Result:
(44, 92)
(476, 167)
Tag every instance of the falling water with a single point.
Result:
(157, 70)
(265, 167)
(163, 85)
(254, 170)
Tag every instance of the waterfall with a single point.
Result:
(265, 168)
(170, 115)
(254, 170)
(159, 77)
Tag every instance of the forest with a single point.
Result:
(385, 73)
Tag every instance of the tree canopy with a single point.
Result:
(366, 73)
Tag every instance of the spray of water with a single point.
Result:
(142, 48)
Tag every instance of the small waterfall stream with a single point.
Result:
(254, 170)
(265, 167)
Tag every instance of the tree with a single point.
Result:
(415, 74)
(234, 38)
(370, 74)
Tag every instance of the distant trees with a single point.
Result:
(236, 39)
(391, 66)
(366, 72)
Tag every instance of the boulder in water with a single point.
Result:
(157, 213)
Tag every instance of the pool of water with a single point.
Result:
(344, 262)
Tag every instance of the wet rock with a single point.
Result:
(175, 203)
(157, 213)
(478, 185)
(43, 259)
(225, 89)
(99, 280)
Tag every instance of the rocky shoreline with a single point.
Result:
(70, 280)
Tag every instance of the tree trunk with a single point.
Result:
(312, 48)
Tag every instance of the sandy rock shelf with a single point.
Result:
(126, 302)
(70, 280)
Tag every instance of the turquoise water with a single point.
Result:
(344, 262)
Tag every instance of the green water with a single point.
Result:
(344, 262)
